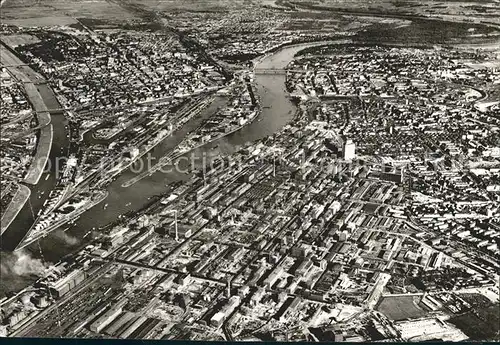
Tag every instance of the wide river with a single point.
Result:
(277, 111)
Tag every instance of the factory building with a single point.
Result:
(62, 286)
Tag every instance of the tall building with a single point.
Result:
(228, 288)
(349, 150)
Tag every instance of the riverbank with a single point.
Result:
(15, 206)
(41, 155)
(25, 75)
(277, 110)
(52, 146)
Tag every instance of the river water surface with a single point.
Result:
(277, 111)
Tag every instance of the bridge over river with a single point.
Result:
(280, 71)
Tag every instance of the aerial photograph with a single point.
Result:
(250, 170)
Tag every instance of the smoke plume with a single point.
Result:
(67, 239)
(21, 263)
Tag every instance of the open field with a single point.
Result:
(462, 10)
(39, 13)
(430, 32)
(194, 5)
(60, 12)
(483, 326)
(35, 21)
(19, 39)
(401, 307)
